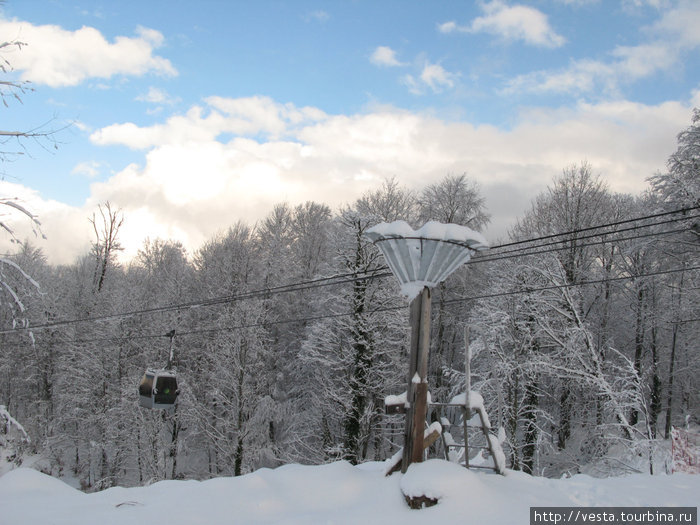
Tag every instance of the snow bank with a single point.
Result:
(441, 480)
(336, 493)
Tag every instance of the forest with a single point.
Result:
(289, 333)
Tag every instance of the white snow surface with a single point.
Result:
(411, 289)
(11, 422)
(419, 264)
(432, 230)
(401, 399)
(336, 493)
(476, 401)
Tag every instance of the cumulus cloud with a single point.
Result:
(432, 76)
(88, 169)
(65, 228)
(449, 27)
(192, 183)
(665, 44)
(517, 22)
(385, 56)
(680, 25)
(435, 76)
(158, 96)
(240, 116)
(57, 57)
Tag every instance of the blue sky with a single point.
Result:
(190, 116)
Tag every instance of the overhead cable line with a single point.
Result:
(392, 308)
(380, 272)
(604, 234)
(256, 294)
(265, 293)
(590, 228)
(534, 251)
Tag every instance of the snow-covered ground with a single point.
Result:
(336, 493)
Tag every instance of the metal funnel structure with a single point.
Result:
(426, 256)
(421, 259)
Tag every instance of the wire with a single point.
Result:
(603, 234)
(572, 285)
(392, 308)
(376, 273)
(590, 228)
(264, 292)
(511, 255)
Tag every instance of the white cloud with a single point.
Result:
(385, 56)
(57, 57)
(412, 84)
(65, 228)
(158, 96)
(512, 23)
(242, 116)
(191, 184)
(579, 2)
(674, 34)
(657, 4)
(448, 27)
(432, 76)
(680, 25)
(435, 76)
(580, 77)
(88, 169)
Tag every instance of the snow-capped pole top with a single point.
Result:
(426, 256)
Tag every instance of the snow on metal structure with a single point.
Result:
(427, 256)
(421, 259)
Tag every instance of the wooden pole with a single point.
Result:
(410, 388)
(417, 388)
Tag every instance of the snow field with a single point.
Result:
(337, 493)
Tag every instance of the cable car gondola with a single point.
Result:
(158, 389)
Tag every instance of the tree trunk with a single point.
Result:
(564, 431)
(358, 383)
(530, 416)
(638, 346)
(672, 361)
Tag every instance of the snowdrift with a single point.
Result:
(335, 493)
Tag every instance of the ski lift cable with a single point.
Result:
(519, 253)
(379, 272)
(603, 234)
(590, 228)
(391, 308)
(374, 274)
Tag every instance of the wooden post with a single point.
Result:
(417, 388)
(467, 394)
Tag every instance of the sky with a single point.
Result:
(190, 116)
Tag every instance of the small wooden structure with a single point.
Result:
(468, 406)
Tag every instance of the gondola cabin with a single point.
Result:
(158, 389)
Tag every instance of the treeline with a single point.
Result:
(290, 333)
